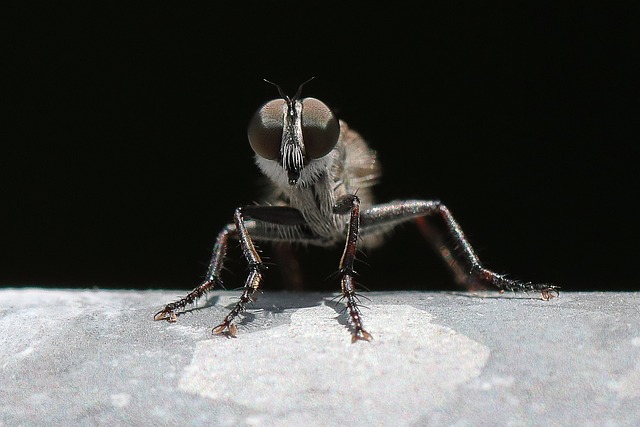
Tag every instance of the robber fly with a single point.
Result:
(321, 173)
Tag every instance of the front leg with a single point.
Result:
(461, 258)
(350, 204)
(253, 280)
(268, 223)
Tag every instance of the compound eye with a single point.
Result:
(265, 129)
(320, 128)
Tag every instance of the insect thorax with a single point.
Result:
(350, 168)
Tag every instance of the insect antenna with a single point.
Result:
(299, 92)
(284, 95)
(280, 91)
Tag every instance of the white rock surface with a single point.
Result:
(96, 357)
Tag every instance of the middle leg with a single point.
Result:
(461, 259)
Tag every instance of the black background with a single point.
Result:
(126, 148)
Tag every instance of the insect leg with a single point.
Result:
(267, 223)
(211, 279)
(462, 260)
(252, 282)
(350, 204)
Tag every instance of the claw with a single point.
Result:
(167, 314)
(361, 335)
(550, 293)
(230, 330)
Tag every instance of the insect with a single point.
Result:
(321, 174)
